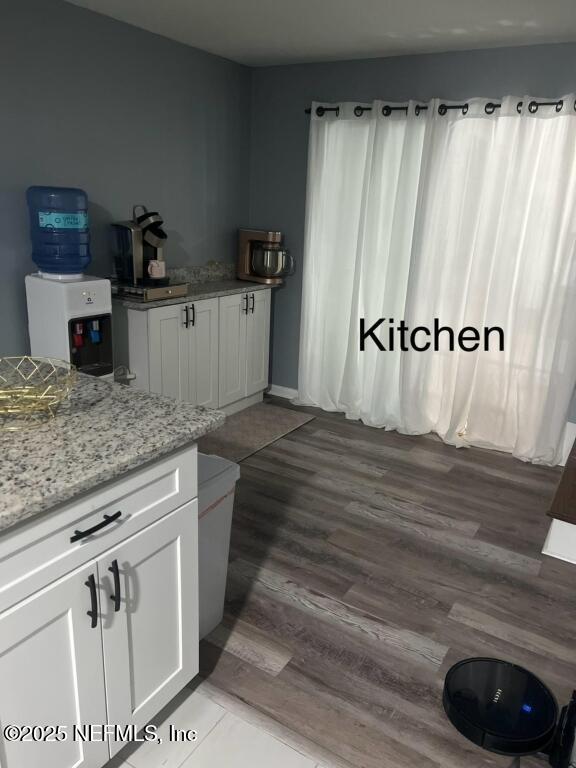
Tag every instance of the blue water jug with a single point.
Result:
(59, 229)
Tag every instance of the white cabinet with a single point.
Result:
(113, 637)
(232, 372)
(201, 340)
(257, 342)
(51, 672)
(168, 351)
(149, 593)
(212, 352)
(183, 351)
(244, 345)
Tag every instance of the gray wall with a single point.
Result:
(128, 116)
(280, 135)
(133, 117)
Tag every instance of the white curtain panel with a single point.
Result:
(468, 217)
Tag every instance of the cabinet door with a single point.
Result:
(202, 340)
(168, 351)
(257, 342)
(232, 348)
(51, 674)
(151, 642)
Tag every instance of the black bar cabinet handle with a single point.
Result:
(93, 612)
(108, 519)
(115, 571)
(253, 303)
(193, 314)
(186, 317)
(245, 307)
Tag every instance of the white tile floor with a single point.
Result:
(223, 739)
(235, 742)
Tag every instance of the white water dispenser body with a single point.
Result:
(71, 320)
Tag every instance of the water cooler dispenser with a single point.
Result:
(71, 320)
(69, 313)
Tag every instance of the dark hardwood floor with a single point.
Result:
(364, 564)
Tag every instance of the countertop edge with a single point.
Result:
(204, 293)
(41, 505)
(83, 490)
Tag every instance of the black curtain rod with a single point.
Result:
(443, 109)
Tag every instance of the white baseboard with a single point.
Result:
(239, 405)
(288, 393)
(569, 437)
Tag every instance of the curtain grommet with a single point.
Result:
(321, 111)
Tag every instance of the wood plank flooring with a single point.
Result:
(363, 565)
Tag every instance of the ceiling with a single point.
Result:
(263, 32)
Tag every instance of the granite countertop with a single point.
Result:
(102, 431)
(198, 291)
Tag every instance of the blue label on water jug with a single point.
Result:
(60, 220)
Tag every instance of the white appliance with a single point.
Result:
(216, 485)
(72, 320)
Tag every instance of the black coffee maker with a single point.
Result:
(140, 267)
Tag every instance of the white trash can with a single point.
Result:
(216, 485)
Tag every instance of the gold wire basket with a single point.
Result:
(31, 389)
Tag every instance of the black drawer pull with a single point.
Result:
(253, 303)
(93, 612)
(193, 308)
(115, 571)
(107, 520)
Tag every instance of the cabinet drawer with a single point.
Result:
(54, 544)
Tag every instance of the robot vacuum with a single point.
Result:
(506, 709)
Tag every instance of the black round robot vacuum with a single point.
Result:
(506, 709)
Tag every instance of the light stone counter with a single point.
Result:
(101, 432)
